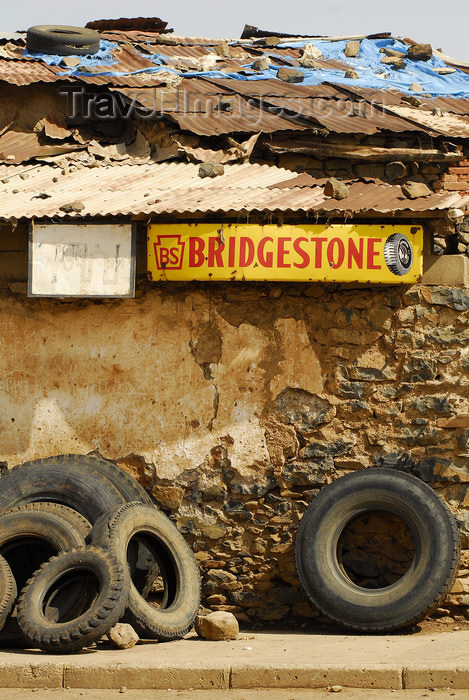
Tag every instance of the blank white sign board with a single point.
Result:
(82, 260)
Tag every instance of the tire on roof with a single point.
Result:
(62, 40)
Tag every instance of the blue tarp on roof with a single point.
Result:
(371, 71)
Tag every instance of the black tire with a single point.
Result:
(73, 517)
(62, 40)
(128, 487)
(67, 480)
(28, 538)
(175, 568)
(103, 610)
(7, 591)
(418, 592)
(398, 254)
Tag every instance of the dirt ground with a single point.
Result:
(431, 625)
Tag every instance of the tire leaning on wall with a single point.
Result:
(421, 588)
(73, 517)
(101, 611)
(7, 591)
(174, 566)
(28, 538)
(67, 480)
(129, 488)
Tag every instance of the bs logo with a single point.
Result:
(169, 252)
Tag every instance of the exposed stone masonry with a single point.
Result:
(395, 366)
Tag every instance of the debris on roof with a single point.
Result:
(151, 24)
(377, 113)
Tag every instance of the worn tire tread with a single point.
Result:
(8, 591)
(445, 581)
(72, 516)
(104, 534)
(64, 479)
(97, 620)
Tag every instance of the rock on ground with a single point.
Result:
(123, 636)
(217, 626)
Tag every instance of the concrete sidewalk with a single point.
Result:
(260, 660)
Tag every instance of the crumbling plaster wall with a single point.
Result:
(235, 403)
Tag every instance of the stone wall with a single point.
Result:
(396, 165)
(234, 404)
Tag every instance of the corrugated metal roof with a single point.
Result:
(27, 72)
(181, 50)
(140, 48)
(456, 125)
(18, 146)
(11, 36)
(176, 188)
(139, 80)
(243, 117)
(271, 112)
(272, 87)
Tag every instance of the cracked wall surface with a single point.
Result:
(233, 404)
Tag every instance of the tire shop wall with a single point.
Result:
(233, 404)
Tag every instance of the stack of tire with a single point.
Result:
(82, 546)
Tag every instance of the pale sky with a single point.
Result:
(445, 25)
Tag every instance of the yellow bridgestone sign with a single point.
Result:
(335, 253)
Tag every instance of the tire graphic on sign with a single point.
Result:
(398, 254)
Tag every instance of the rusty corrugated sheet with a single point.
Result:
(128, 60)
(11, 36)
(450, 104)
(176, 188)
(244, 118)
(261, 105)
(178, 51)
(19, 146)
(455, 125)
(197, 40)
(271, 87)
(28, 72)
(139, 80)
(343, 116)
